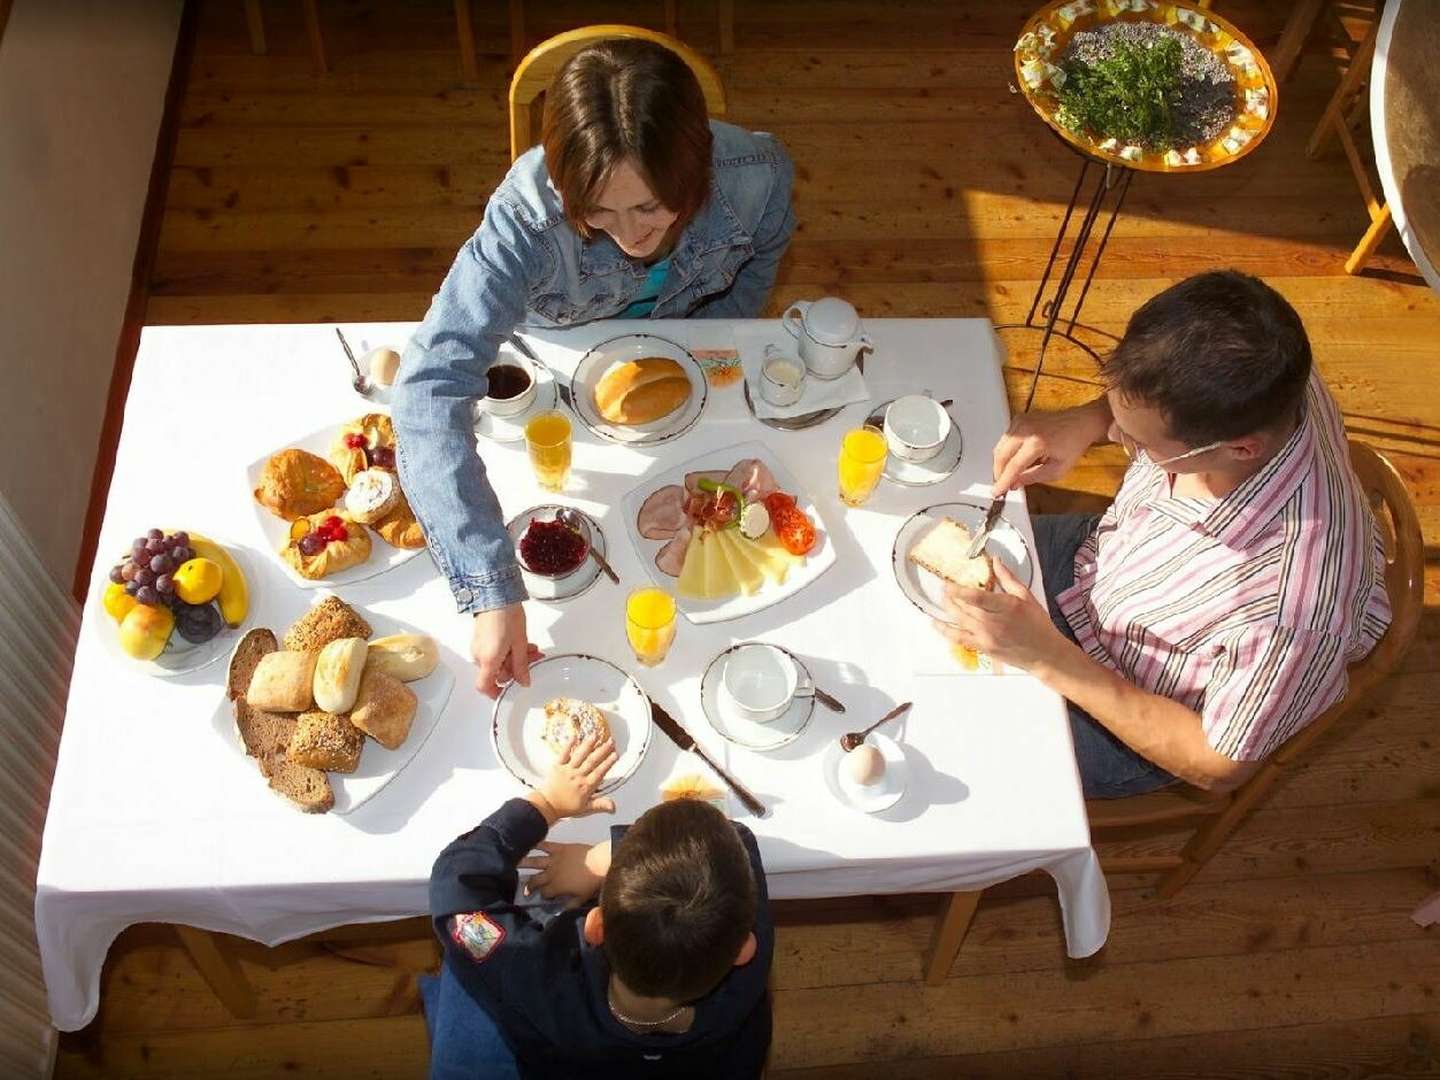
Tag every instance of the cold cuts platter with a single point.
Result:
(728, 533)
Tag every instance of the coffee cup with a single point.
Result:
(916, 427)
(760, 681)
(782, 378)
(512, 386)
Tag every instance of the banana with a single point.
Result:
(234, 595)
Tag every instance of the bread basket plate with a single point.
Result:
(598, 361)
(518, 718)
(276, 530)
(180, 657)
(820, 558)
(378, 766)
(926, 590)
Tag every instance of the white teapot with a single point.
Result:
(829, 335)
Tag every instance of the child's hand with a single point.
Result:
(574, 870)
(568, 790)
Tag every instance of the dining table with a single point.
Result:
(157, 815)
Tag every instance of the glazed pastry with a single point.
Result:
(373, 494)
(295, 483)
(335, 542)
(399, 528)
(356, 445)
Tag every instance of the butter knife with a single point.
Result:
(685, 741)
(992, 515)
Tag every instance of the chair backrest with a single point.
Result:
(536, 72)
(1404, 583)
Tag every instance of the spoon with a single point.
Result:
(571, 519)
(851, 739)
(362, 385)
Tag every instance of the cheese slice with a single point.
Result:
(746, 573)
(692, 574)
(778, 561)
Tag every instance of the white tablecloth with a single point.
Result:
(154, 816)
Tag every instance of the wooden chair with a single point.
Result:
(537, 71)
(1221, 814)
(1404, 581)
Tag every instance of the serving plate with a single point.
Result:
(627, 347)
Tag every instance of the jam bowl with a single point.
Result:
(550, 548)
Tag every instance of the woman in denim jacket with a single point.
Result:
(635, 205)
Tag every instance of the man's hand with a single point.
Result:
(568, 789)
(1041, 447)
(501, 649)
(1008, 624)
(573, 870)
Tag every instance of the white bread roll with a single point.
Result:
(642, 391)
(406, 657)
(337, 674)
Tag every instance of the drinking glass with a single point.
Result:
(650, 624)
(547, 437)
(861, 464)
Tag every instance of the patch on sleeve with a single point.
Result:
(476, 933)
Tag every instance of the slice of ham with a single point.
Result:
(692, 480)
(753, 477)
(671, 557)
(662, 514)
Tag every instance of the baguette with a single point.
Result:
(942, 551)
(642, 391)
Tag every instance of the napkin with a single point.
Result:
(819, 393)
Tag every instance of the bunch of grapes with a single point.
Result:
(331, 529)
(146, 571)
(376, 457)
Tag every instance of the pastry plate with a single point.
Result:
(180, 657)
(378, 766)
(511, 429)
(519, 715)
(871, 800)
(922, 473)
(820, 559)
(572, 584)
(733, 726)
(924, 589)
(276, 530)
(618, 350)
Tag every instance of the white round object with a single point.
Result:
(754, 520)
(864, 766)
(519, 403)
(738, 729)
(876, 797)
(598, 361)
(831, 321)
(371, 495)
(916, 427)
(760, 681)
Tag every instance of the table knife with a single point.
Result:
(992, 515)
(685, 741)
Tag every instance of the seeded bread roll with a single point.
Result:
(323, 740)
(642, 391)
(329, 620)
(337, 674)
(283, 682)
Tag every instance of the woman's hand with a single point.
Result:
(501, 649)
(1044, 446)
(568, 789)
(573, 870)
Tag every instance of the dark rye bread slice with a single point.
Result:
(267, 735)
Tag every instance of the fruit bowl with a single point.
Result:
(174, 602)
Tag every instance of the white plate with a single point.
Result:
(378, 766)
(276, 530)
(180, 657)
(924, 589)
(820, 559)
(519, 715)
(618, 350)
(871, 800)
(572, 584)
(510, 429)
(735, 727)
(922, 473)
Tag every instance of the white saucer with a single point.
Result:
(509, 429)
(572, 584)
(869, 800)
(734, 727)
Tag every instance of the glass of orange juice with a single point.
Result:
(547, 437)
(650, 624)
(862, 461)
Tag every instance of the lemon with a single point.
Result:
(198, 581)
(117, 601)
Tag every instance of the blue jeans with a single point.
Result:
(465, 1041)
(1108, 768)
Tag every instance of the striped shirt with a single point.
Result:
(1247, 608)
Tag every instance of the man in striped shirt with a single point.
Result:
(1212, 611)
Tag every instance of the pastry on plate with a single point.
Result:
(282, 682)
(295, 483)
(337, 674)
(567, 719)
(384, 709)
(642, 391)
(323, 740)
(406, 657)
(399, 528)
(942, 551)
(329, 620)
(334, 541)
(373, 493)
(267, 735)
(364, 443)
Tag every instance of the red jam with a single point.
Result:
(355, 441)
(549, 547)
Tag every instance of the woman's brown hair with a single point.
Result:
(627, 99)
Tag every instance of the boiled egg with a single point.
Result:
(864, 766)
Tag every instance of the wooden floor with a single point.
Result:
(924, 187)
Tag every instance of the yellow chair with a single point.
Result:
(537, 71)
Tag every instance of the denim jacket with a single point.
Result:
(527, 265)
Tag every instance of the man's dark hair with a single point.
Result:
(1221, 355)
(678, 901)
